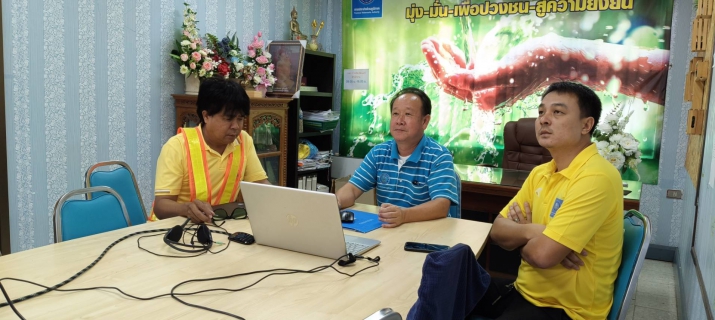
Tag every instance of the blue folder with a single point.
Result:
(364, 222)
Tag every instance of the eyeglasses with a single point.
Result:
(238, 213)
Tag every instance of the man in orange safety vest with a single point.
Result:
(201, 167)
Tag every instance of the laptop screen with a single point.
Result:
(294, 219)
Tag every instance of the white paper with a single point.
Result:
(356, 79)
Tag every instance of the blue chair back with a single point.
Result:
(636, 239)
(455, 211)
(75, 218)
(122, 180)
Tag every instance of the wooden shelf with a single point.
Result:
(313, 170)
(315, 94)
(320, 53)
(319, 71)
(269, 154)
(315, 133)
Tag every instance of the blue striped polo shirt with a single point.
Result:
(427, 174)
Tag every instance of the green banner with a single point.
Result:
(486, 63)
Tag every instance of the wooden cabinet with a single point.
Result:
(267, 123)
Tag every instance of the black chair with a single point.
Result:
(521, 149)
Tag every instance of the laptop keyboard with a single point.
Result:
(355, 248)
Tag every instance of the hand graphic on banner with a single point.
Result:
(538, 62)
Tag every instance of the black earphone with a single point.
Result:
(203, 236)
(353, 257)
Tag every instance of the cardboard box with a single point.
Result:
(365, 198)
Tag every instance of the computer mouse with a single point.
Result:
(242, 238)
(347, 216)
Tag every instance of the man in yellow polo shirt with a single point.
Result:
(201, 167)
(567, 220)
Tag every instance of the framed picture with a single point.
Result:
(287, 57)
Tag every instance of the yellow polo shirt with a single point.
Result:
(172, 173)
(582, 208)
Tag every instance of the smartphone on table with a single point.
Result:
(424, 247)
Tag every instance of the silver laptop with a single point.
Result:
(299, 220)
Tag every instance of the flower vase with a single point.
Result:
(253, 93)
(628, 173)
(262, 89)
(192, 84)
(313, 44)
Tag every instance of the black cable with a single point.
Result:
(139, 245)
(193, 235)
(288, 271)
(228, 241)
(12, 305)
(194, 228)
(375, 261)
(75, 276)
(87, 289)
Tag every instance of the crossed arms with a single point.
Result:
(546, 242)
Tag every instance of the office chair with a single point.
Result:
(455, 211)
(123, 181)
(636, 239)
(521, 149)
(80, 218)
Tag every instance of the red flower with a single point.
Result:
(223, 69)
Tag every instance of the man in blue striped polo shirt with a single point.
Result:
(413, 174)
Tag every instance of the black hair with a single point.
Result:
(426, 102)
(218, 94)
(588, 102)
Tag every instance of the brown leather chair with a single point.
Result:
(521, 149)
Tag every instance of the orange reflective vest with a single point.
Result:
(199, 178)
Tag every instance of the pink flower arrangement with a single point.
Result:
(257, 69)
(189, 52)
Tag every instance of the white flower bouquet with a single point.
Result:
(192, 58)
(618, 147)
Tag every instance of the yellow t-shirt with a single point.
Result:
(582, 208)
(172, 173)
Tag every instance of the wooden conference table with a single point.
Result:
(323, 295)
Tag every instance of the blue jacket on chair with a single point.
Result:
(452, 284)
